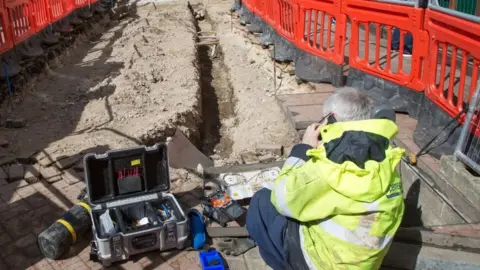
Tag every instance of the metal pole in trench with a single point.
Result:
(274, 71)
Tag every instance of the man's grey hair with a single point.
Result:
(348, 104)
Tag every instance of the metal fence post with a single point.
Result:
(465, 141)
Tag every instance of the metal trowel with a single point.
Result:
(182, 154)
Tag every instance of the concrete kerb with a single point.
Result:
(461, 179)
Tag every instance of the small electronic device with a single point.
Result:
(220, 208)
(330, 120)
(220, 199)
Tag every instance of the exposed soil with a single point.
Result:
(133, 81)
(127, 84)
(249, 113)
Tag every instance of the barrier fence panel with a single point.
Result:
(81, 3)
(258, 7)
(454, 60)
(69, 6)
(249, 4)
(468, 147)
(56, 10)
(380, 33)
(321, 29)
(268, 11)
(286, 17)
(6, 39)
(39, 14)
(20, 22)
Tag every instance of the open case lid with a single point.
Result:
(125, 173)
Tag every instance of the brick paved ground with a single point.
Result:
(28, 209)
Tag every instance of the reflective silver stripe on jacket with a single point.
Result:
(281, 197)
(293, 162)
(280, 189)
(309, 262)
(361, 235)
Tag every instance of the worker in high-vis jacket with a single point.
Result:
(338, 200)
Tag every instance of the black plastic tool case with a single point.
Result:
(133, 184)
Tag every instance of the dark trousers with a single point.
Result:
(267, 227)
(407, 42)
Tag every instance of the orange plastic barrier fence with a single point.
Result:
(319, 21)
(81, 3)
(39, 14)
(6, 40)
(268, 11)
(320, 27)
(69, 6)
(258, 7)
(384, 15)
(286, 18)
(57, 10)
(458, 41)
(249, 4)
(21, 19)
(20, 22)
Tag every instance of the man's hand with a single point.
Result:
(311, 135)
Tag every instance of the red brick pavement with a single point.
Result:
(27, 210)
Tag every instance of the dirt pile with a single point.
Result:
(132, 84)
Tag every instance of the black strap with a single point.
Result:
(424, 150)
(294, 258)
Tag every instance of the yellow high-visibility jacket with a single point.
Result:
(346, 194)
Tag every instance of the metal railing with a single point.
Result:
(465, 9)
(468, 147)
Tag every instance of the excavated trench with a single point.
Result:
(218, 101)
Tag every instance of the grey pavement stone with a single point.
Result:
(422, 201)
(17, 261)
(26, 241)
(249, 158)
(51, 158)
(267, 159)
(17, 228)
(274, 149)
(4, 142)
(32, 173)
(79, 167)
(253, 253)
(68, 162)
(4, 238)
(236, 263)
(15, 172)
(3, 182)
(71, 177)
(50, 174)
(35, 200)
(466, 183)
(3, 173)
(3, 264)
(17, 208)
(15, 123)
(254, 261)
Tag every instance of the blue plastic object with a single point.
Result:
(211, 260)
(166, 210)
(197, 229)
